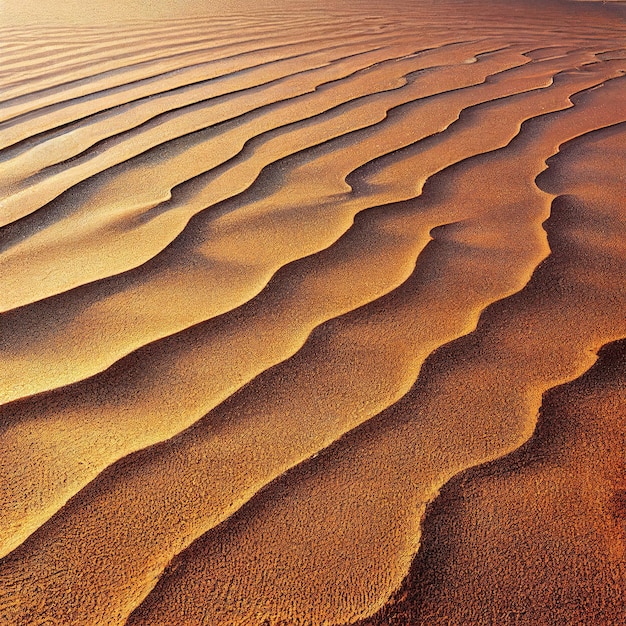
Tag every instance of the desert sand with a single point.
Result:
(313, 314)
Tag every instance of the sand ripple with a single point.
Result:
(300, 316)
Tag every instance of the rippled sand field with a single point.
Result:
(313, 313)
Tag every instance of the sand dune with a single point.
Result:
(84, 420)
(300, 315)
(379, 476)
(114, 296)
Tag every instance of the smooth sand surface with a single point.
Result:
(313, 314)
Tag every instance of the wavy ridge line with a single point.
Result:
(88, 81)
(308, 141)
(21, 316)
(124, 137)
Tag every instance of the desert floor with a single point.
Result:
(313, 313)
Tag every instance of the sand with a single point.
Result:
(313, 316)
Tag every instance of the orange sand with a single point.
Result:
(300, 314)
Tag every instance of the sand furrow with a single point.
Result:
(89, 135)
(537, 536)
(32, 127)
(317, 364)
(62, 337)
(476, 400)
(127, 54)
(301, 296)
(159, 128)
(548, 515)
(380, 174)
(115, 42)
(127, 76)
(35, 126)
(183, 125)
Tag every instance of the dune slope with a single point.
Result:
(313, 316)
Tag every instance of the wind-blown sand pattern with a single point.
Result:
(313, 316)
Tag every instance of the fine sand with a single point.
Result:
(313, 314)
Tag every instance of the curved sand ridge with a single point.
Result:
(232, 142)
(141, 295)
(248, 248)
(441, 111)
(550, 516)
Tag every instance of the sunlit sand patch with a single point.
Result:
(286, 291)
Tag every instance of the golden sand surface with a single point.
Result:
(312, 313)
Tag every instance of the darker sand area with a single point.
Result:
(313, 314)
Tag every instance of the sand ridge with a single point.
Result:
(274, 281)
